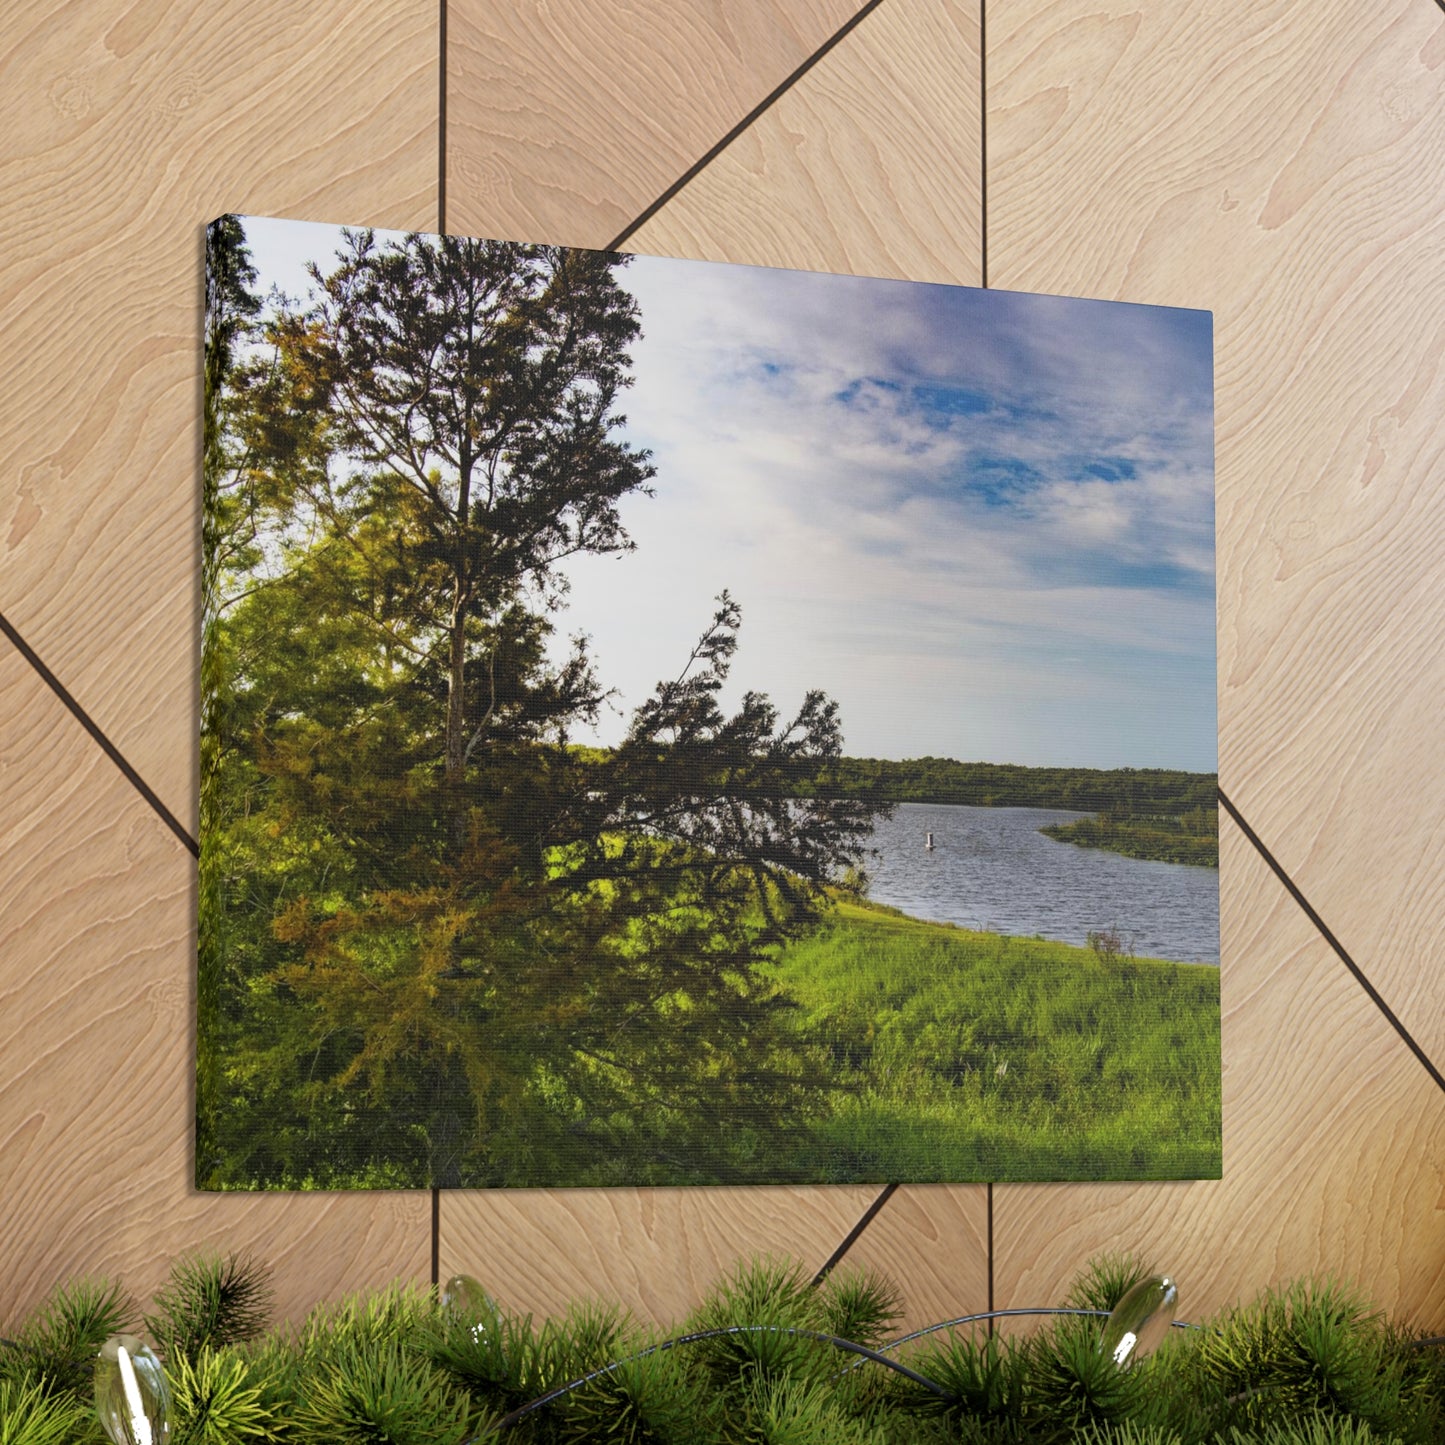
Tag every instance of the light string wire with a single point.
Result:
(836, 1341)
(866, 1354)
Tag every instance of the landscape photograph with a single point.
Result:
(674, 723)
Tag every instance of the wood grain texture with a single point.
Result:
(655, 1251)
(126, 127)
(871, 165)
(1334, 1144)
(568, 118)
(1281, 166)
(931, 1240)
(97, 1008)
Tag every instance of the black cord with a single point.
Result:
(992, 1315)
(866, 1355)
(838, 1343)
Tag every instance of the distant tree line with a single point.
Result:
(1124, 792)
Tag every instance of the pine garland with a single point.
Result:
(1310, 1364)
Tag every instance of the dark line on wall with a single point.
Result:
(990, 1256)
(983, 183)
(436, 1194)
(436, 1235)
(106, 746)
(775, 94)
(442, 127)
(983, 281)
(1294, 891)
(851, 1238)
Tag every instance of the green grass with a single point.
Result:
(964, 1055)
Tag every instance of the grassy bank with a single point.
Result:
(964, 1055)
(1191, 837)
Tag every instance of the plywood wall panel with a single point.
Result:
(126, 127)
(1281, 167)
(566, 121)
(1275, 163)
(870, 165)
(931, 1241)
(97, 938)
(655, 1251)
(1333, 1141)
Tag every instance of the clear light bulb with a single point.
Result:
(466, 1306)
(131, 1394)
(1140, 1320)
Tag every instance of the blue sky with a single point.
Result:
(983, 521)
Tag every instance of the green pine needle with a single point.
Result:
(31, 1415)
(380, 1393)
(763, 1302)
(860, 1306)
(1312, 1347)
(802, 1412)
(210, 1301)
(1074, 1384)
(1308, 1365)
(399, 1312)
(655, 1400)
(1105, 1280)
(987, 1374)
(59, 1342)
(216, 1401)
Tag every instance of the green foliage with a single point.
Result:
(379, 1392)
(793, 1411)
(30, 1414)
(987, 1375)
(1127, 1434)
(860, 1306)
(1073, 1384)
(759, 1305)
(1318, 1430)
(1306, 1365)
(656, 1400)
(56, 1346)
(1312, 1348)
(1105, 1280)
(216, 1399)
(439, 945)
(208, 1302)
(362, 1321)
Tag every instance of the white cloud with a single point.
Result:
(798, 467)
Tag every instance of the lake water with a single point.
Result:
(991, 868)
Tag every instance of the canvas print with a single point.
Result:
(667, 722)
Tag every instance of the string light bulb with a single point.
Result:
(1140, 1320)
(131, 1394)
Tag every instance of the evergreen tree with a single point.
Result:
(458, 948)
